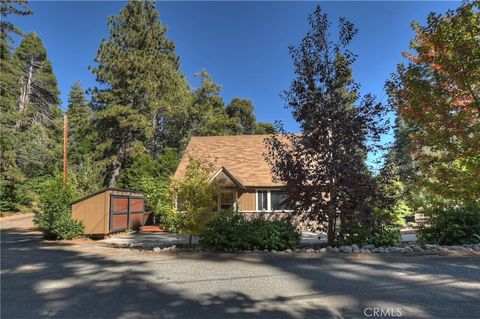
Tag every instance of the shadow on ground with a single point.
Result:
(44, 279)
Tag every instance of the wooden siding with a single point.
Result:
(246, 200)
(94, 213)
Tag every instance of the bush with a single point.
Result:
(54, 218)
(452, 224)
(381, 228)
(232, 232)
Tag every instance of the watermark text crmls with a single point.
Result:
(374, 312)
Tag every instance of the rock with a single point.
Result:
(274, 251)
(429, 247)
(323, 250)
(265, 250)
(157, 249)
(330, 249)
(309, 250)
(458, 248)
(375, 250)
(298, 250)
(173, 247)
(476, 247)
(288, 251)
(346, 249)
(417, 249)
(355, 248)
(362, 250)
(369, 246)
(367, 251)
(336, 250)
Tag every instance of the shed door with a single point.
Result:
(119, 212)
(126, 212)
(136, 212)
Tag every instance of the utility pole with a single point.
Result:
(65, 149)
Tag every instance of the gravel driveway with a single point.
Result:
(41, 279)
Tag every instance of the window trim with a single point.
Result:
(269, 201)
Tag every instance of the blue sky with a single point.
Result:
(243, 45)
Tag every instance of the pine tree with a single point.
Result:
(30, 117)
(79, 125)
(140, 86)
(324, 168)
(242, 111)
(8, 7)
(10, 175)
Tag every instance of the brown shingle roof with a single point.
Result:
(241, 155)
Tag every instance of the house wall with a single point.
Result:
(246, 200)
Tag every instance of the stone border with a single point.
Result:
(416, 249)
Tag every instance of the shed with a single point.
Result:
(110, 210)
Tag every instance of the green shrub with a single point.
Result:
(232, 232)
(452, 224)
(54, 218)
(381, 228)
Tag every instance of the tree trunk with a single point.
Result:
(25, 92)
(115, 173)
(118, 163)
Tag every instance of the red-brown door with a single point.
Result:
(126, 212)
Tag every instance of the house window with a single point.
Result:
(262, 200)
(226, 200)
(278, 200)
(271, 200)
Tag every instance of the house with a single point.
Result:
(241, 171)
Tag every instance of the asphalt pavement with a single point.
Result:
(43, 279)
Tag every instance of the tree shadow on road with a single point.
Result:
(42, 279)
(346, 285)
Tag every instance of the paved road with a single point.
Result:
(42, 279)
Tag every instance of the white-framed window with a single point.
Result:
(271, 200)
(262, 200)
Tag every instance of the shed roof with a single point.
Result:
(113, 189)
(240, 155)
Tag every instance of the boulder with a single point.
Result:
(346, 249)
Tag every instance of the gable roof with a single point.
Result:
(222, 174)
(240, 155)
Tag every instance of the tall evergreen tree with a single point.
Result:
(10, 175)
(30, 116)
(324, 168)
(8, 7)
(38, 102)
(79, 123)
(242, 110)
(38, 120)
(140, 86)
